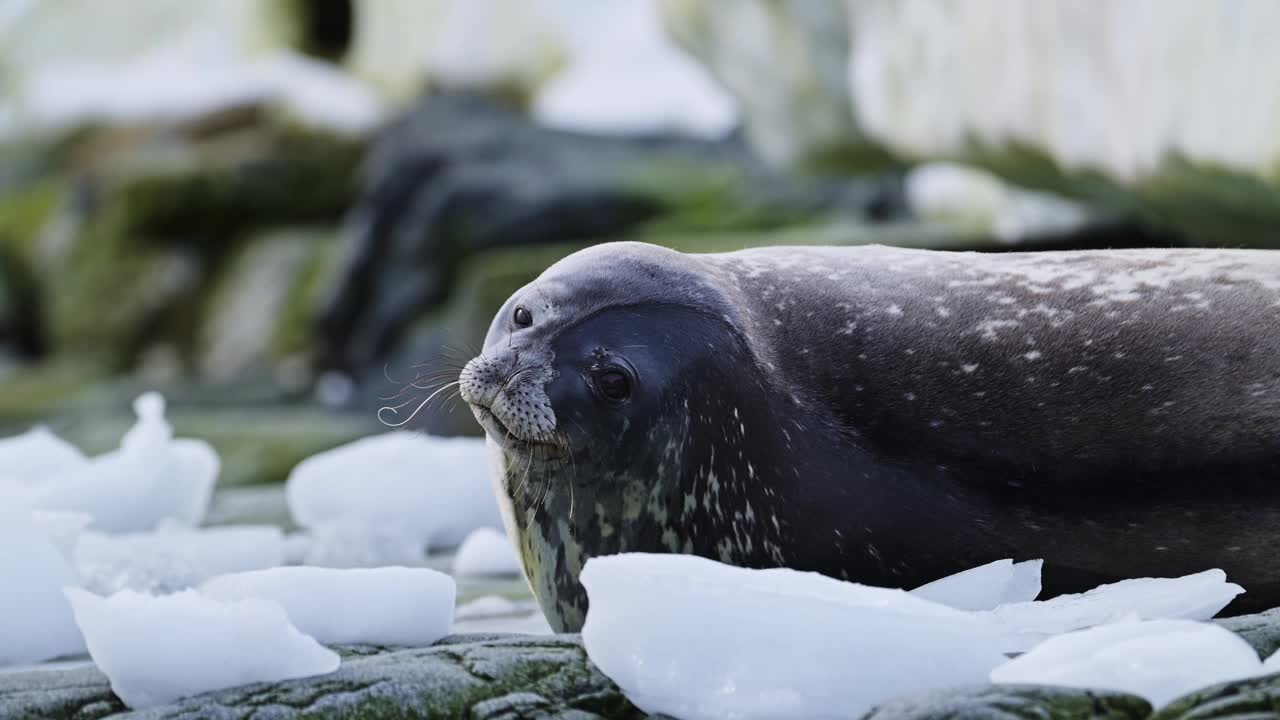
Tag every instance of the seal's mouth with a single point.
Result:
(504, 436)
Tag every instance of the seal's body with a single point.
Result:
(891, 416)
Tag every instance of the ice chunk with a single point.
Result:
(150, 478)
(487, 552)
(62, 528)
(1159, 659)
(985, 587)
(433, 491)
(488, 606)
(353, 543)
(35, 620)
(1272, 665)
(378, 606)
(1192, 597)
(158, 649)
(174, 558)
(296, 547)
(692, 638)
(36, 456)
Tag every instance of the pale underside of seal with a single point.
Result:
(890, 416)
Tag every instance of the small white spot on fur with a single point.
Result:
(969, 368)
(1033, 355)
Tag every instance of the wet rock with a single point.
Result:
(1262, 630)
(462, 676)
(461, 174)
(1253, 699)
(1014, 703)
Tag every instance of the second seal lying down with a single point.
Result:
(891, 416)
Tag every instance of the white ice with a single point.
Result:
(379, 606)
(355, 542)
(174, 558)
(693, 638)
(625, 75)
(486, 551)
(1272, 665)
(494, 613)
(1192, 597)
(63, 529)
(150, 478)
(35, 620)
(33, 457)
(1159, 660)
(158, 86)
(986, 587)
(158, 649)
(393, 489)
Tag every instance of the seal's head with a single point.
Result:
(602, 384)
(582, 360)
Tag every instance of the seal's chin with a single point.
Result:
(508, 439)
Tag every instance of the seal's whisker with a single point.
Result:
(415, 410)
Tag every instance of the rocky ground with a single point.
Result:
(503, 677)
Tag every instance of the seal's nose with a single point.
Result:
(481, 380)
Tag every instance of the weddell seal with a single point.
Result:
(890, 416)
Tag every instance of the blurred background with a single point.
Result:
(280, 213)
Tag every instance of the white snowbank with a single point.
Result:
(382, 606)
(35, 621)
(986, 587)
(173, 83)
(693, 638)
(1192, 597)
(404, 491)
(487, 551)
(158, 649)
(625, 75)
(150, 478)
(1158, 660)
(175, 558)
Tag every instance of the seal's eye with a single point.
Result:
(614, 385)
(523, 317)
